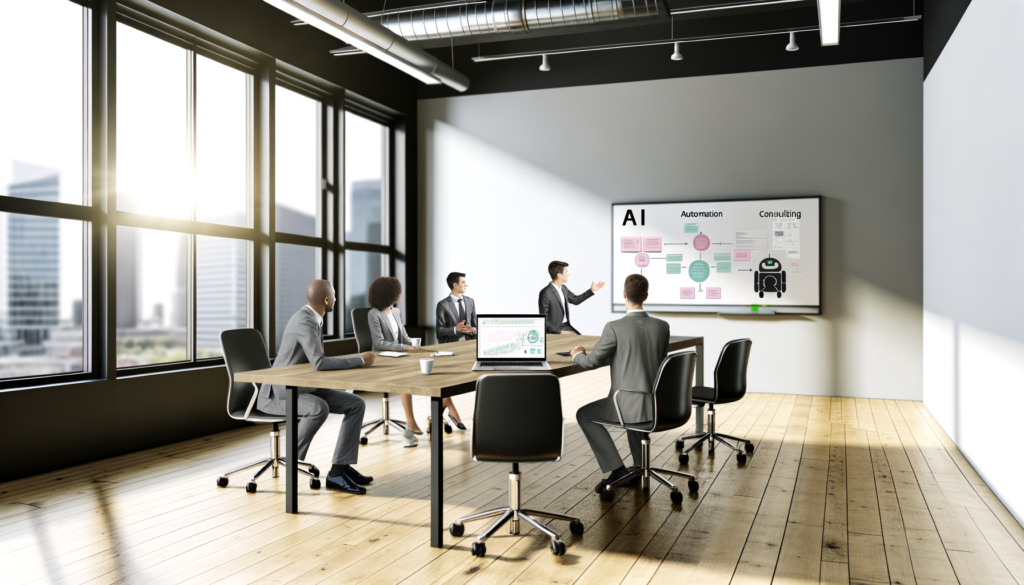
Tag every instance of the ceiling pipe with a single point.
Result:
(510, 16)
(341, 21)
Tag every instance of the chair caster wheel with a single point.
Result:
(457, 529)
(557, 548)
(680, 444)
(447, 429)
(607, 495)
(684, 459)
(222, 481)
(693, 485)
(677, 497)
(363, 440)
(314, 483)
(250, 488)
(314, 471)
(750, 448)
(576, 528)
(741, 457)
(478, 549)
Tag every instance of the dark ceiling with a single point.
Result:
(277, 36)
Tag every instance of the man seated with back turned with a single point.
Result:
(636, 344)
(303, 343)
(552, 301)
(456, 313)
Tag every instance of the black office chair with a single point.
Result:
(244, 351)
(364, 342)
(673, 391)
(503, 401)
(730, 386)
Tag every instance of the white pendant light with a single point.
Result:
(792, 46)
(544, 66)
(676, 55)
(828, 22)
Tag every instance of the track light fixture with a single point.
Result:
(676, 55)
(792, 46)
(544, 66)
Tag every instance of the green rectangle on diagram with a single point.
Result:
(724, 266)
(673, 269)
(674, 258)
(727, 256)
(690, 228)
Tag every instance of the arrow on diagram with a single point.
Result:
(745, 270)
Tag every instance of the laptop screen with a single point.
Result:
(512, 337)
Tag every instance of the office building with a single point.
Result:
(823, 197)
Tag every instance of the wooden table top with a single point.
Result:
(452, 375)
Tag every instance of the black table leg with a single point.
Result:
(291, 449)
(436, 473)
(700, 382)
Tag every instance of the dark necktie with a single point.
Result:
(462, 310)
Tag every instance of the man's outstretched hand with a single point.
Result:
(596, 286)
(368, 358)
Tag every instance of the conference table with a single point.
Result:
(452, 376)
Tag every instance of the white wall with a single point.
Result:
(974, 217)
(509, 182)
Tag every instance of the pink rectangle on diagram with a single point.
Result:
(652, 244)
(630, 244)
(687, 292)
(740, 255)
(714, 292)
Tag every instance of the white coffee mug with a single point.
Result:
(415, 341)
(427, 365)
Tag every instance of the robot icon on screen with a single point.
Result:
(771, 278)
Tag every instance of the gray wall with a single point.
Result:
(973, 210)
(509, 182)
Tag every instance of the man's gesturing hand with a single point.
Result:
(596, 286)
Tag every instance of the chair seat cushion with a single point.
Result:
(703, 394)
(257, 416)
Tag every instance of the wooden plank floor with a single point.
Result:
(839, 490)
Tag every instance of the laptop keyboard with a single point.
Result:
(515, 364)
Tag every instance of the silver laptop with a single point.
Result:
(510, 343)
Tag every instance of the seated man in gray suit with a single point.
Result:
(303, 343)
(554, 299)
(456, 313)
(636, 344)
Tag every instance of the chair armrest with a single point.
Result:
(618, 411)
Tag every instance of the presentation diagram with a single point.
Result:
(519, 339)
(703, 256)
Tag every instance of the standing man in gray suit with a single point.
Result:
(636, 344)
(456, 313)
(303, 343)
(554, 299)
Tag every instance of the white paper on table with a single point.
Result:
(392, 354)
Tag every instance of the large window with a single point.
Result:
(42, 164)
(366, 155)
(184, 142)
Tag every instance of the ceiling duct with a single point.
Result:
(510, 16)
(341, 21)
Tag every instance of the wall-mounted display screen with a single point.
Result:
(721, 256)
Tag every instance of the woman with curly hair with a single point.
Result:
(389, 334)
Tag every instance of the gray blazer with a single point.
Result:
(447, 317)
(636, 344)
(381, 333)
(550, 306)
(302, 343)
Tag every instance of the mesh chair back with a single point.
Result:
(673, 390)
(518, 418)
(244, 351)
(731, 371)
(361, 325)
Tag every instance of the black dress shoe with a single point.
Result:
(612, 477)
(343, 484)
(356, 477)
(457, 424)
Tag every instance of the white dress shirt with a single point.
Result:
(392, 325)
(565, 314)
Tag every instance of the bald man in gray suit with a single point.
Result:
(636, 345)
(303, 343)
